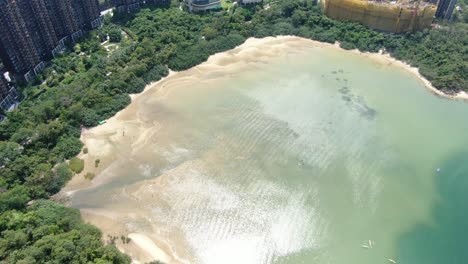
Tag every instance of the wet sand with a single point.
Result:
(129, 129)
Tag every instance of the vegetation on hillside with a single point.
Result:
(92, 82)
(47, 232)
(460, 13)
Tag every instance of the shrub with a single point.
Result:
(90, 176)
(76, 165)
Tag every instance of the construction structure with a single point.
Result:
(389, 16)
(445, 9)
(34, 31)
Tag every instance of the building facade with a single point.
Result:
(129, 6)
(445, 9)
(395, 17)
(34, 31)
(39, 26)
(86, 11)
(63, 17)
(17, 48)
(251, 1)
(203, 5)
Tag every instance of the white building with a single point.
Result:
(203, 5)
(251, 1)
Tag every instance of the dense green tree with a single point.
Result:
(49, 233)
(209, 33)
(115, 35)
(15, 198)
(299, 17)
(68, 147)
(9, 151)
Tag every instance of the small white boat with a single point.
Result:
(365, 246)
(392, 261)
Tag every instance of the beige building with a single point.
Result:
(395, 16)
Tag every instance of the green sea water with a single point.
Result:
(314, 156)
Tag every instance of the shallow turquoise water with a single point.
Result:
(301, 158)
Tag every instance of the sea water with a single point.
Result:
(315, 155)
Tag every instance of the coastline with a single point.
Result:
(378, 56)
(383, 56)
(96, 149)
(117, 126)
(141, 248)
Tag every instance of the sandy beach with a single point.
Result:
(128, 131)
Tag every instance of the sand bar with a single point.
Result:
(147, 245)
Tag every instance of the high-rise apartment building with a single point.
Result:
(86, 12)
(39, 26)
(17, 48)
(62, 16)
(445, 9)
(32, 31)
